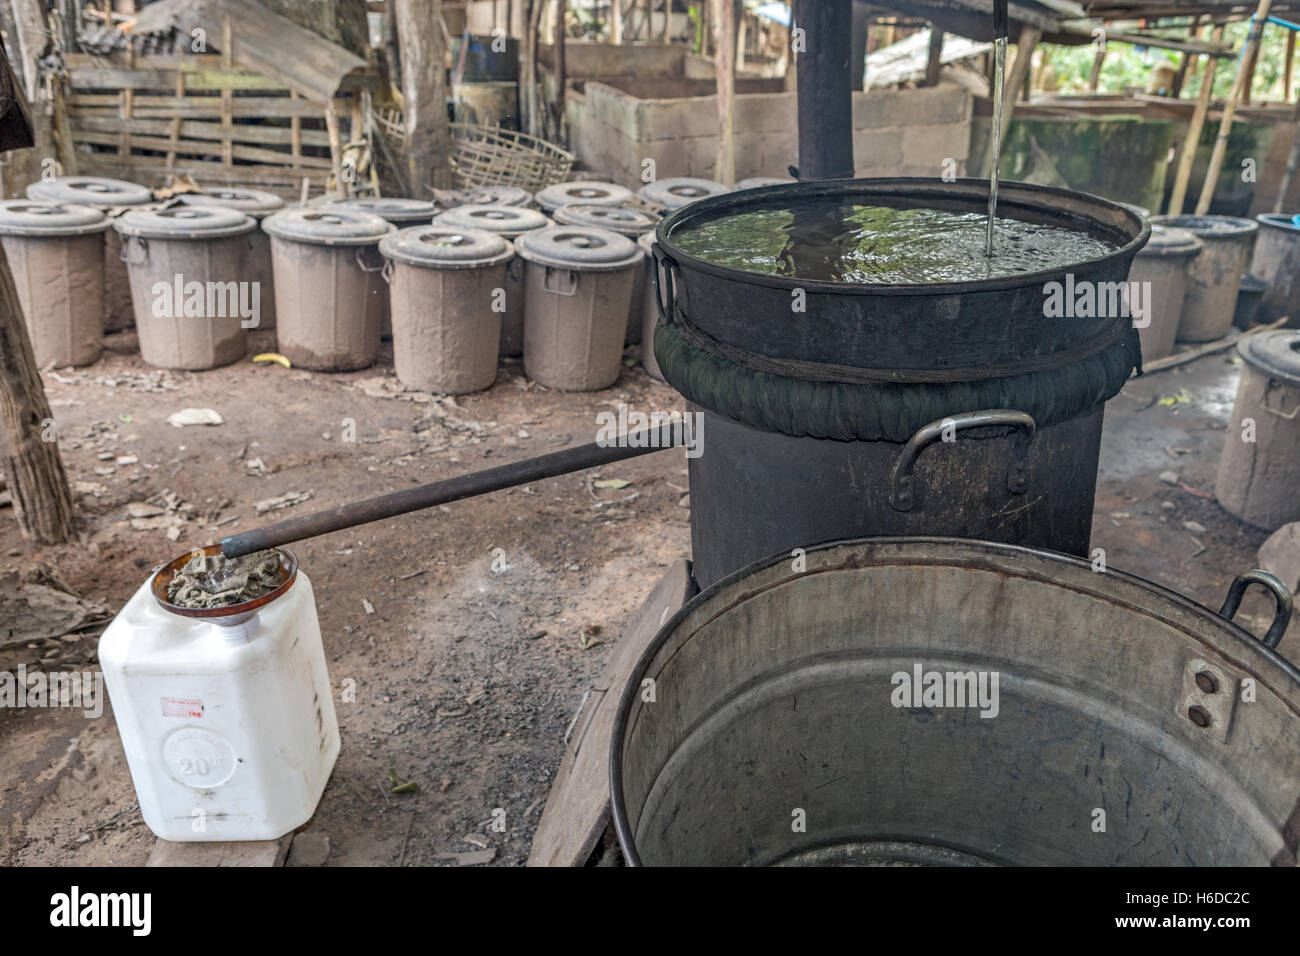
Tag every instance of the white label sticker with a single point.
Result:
(181, 707)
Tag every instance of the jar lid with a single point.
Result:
(584, 190)
(185, 222)
(676, 193)
(395, 209)
(437, 246)
(758, 182)
(1210, 227)
(90, 191)
(508, 221)
(327, 226)
(582, 248)
(1279, 221)
(255, 202)
(1276, 354)
(32, 217)
(1168, 241)
(628, 221)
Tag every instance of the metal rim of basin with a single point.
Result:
(1043, 200)
(1172, 609)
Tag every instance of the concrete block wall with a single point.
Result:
(896, 133)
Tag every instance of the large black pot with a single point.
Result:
(950, 331)
(944, 409)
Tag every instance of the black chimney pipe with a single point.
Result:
(824, 64)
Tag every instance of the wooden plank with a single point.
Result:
(246, 853)
(117, 79)
(163, 144)
(167, 107)
(287, 179)
(577, 808)
(200, 129)
(1230, 109)
(1193, 137)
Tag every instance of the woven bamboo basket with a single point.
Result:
(491, 156)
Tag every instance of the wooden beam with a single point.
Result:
(1230, 109)
(1193, 137)
(616, 21)
(1293, 160)
(935, 63)
(724, 41)
(1144, 39)
(29, 20)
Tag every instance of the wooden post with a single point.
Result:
(29, 19)
(668, 21)
(424, 92)
(1288, 174)
(561, 68)
(1095, 76)
(1015, 81)
(616, 21)
(934, 64)
(1250, 73)
(1286, 69)
(29, 453)
(724, 39)
(1230, 110)
(742, 22)
(1193, 138)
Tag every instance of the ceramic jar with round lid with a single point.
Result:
(56, 255)
(579, 282)
(630, 221)
(1161, 270)
(330, 298)
(111, 196)
(447, 287)
(1227, 245)
(257, 203)
(552, 198)
(188, 267)
(508, 222)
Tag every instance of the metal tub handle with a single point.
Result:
(125, 253)
(902, 494)
(1281, 594)
(360, 256)
(664, 276)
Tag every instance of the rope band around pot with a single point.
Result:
(884, 411)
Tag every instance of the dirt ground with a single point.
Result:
(466, 676)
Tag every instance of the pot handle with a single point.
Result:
(1281, 594)
(125, 256)
(665, 291)
(901, 493)
(360, 256)
(386, 271)
(1273, 385)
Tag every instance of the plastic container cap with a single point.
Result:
(90, 191)
(435, 246)
(628, 221)
(585, 190)
(581, 248)
(1279, 221)
(31, 217)
(508, 221)
(185, 222)
(676, 193)
(254, 202)
(327, 226)
(1275, 353)
(395, 209)
(758, 182)
(1168, 241)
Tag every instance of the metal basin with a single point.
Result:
(1127, 725)
(955, 331)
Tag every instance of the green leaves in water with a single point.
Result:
(836, 241)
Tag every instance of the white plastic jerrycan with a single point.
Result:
(226, 714)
